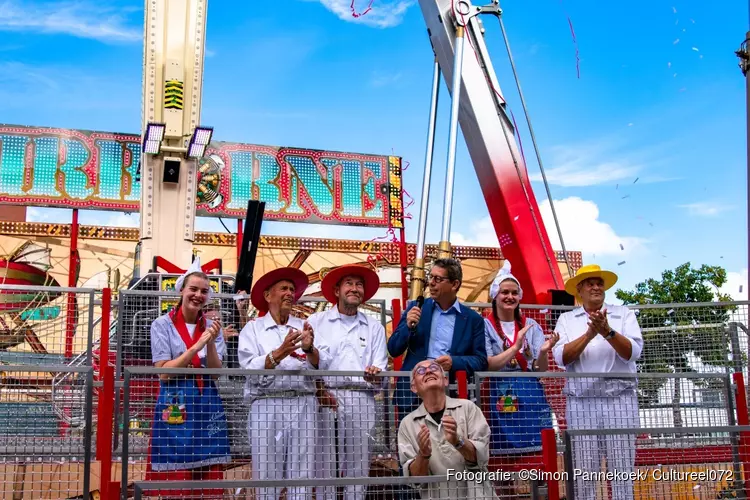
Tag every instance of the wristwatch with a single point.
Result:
(610, 335)
(460, 444)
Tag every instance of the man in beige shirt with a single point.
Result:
(444, 437)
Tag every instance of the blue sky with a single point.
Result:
(659, 99)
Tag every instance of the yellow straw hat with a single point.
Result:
(590, 271)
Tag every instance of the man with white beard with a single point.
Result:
(356, 342)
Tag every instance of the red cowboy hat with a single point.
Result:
(330, 280)
(269, 279)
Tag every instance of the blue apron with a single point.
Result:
(518, 413)
(190, 426)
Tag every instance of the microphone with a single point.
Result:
(420, 303)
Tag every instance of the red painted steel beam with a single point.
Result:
(70, 313)
(490, 137)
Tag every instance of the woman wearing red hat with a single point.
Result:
(281, 421)
(189, 440)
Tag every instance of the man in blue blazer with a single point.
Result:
(443, 330)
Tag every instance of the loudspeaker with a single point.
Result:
(562, 298)
(171, 170)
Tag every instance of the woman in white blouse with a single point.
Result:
(518, 409)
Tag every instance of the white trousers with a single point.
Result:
(604, 413)
(356, 420)
(282, 440)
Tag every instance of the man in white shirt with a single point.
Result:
(356, 342)
(281, 421)
(600, 338)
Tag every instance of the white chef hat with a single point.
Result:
(502, 275)
(195, 267)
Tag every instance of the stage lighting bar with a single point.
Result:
(199, 141)
(153, 137)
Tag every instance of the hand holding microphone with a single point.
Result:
(415, 313)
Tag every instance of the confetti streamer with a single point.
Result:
(617, 186)
(636, 180)
(669, 65)
(670, 312)
(626, 196)
(505, 240)
(630, 124)
(622, 247)
(354, 12)
(651, 224)
(676, 42)
(544, 311)
(674, 10)
(692, 21)
(575, 42)
(740, 288)
(696, 49)
(621, 263)
(516, 217)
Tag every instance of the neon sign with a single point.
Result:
(98, 170)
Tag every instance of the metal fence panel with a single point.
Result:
(46, 325)
(41, 454)
(704, 337)
(707, 463)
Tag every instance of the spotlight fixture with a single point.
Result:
(199, 141)
(152, 138)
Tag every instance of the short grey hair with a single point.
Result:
(452, 268)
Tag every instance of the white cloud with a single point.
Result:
(384, 79)
(705, 208)
(587, 165)
(64, 88)
(583, 231)
(481, 234)
(581, 228)
(381, 15)
(83, 19)
(85, 217)
(736, 285)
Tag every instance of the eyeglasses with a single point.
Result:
(437, 279)
(434, 368)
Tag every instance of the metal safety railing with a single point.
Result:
(41, 454)
(55, 328)
(527, 468)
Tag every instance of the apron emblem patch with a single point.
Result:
(507, 404)
(175, 412)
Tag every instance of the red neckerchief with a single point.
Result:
(520, 358)
(179, 323)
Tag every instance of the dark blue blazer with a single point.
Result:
(467, 349)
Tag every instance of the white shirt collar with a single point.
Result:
(334, 314)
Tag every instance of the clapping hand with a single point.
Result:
(550, 342)
(291, 341)
(518, 344)
(450, 429)
(599, 323)
(425, 442)
(308, 336)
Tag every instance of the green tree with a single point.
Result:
(671, 334)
